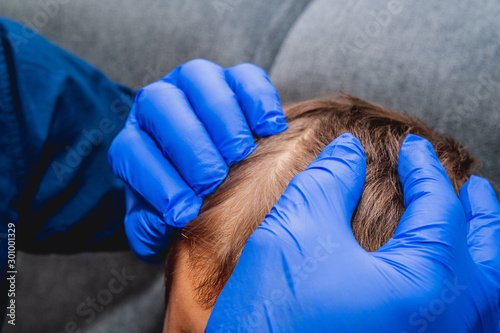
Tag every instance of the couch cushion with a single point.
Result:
(137, 42)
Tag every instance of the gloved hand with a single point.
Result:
(181, 135)
(302, 270)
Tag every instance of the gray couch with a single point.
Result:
(437, 60)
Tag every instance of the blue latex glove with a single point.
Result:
(302, 270)
(181, 135)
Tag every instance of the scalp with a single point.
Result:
(215, 239)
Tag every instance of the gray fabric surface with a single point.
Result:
(137, 42)
(436, 60)
(430, 59)
(51, 288)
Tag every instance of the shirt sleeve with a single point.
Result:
(58, 118)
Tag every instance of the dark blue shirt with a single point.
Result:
(58, 116)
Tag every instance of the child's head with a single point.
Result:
(205, 253)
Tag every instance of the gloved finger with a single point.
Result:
(434, 219)
(216, 106)
(482, 211)
(136, 159)
(148, 235)
(325, 195)
(165, 113)
(258, 98)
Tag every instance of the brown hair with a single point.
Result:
(215, 239)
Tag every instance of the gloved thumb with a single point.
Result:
(148, 235)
